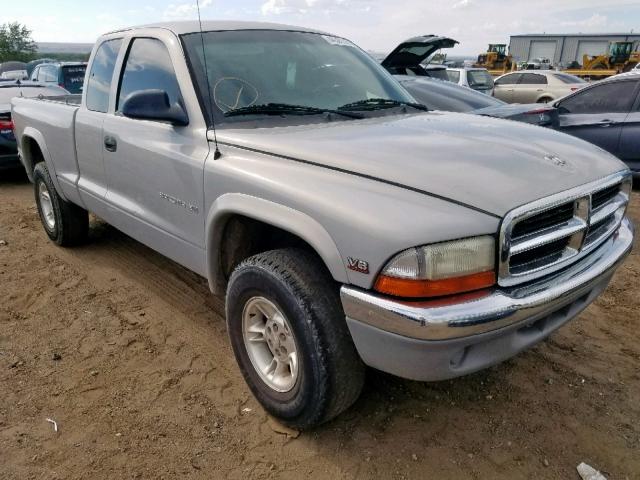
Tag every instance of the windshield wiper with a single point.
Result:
(285, 108)
(380, 103)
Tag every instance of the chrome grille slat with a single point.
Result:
(608, 209)
(562, 229)
(549, 235)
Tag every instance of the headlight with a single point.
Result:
(440, 269)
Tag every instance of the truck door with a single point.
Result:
(92, 183)
(155, 170)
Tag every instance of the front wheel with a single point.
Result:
(290, 338)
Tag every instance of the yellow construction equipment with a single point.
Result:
(495, 59)
(620, 58)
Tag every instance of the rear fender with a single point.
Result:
(28, 161)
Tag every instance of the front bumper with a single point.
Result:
(431, 341)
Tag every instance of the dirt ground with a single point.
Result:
(128, 353)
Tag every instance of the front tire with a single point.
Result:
(65, 223)
(290, 338)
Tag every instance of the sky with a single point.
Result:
(375, 25)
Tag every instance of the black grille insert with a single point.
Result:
(603, 196)
(539, 256)
(547, 219)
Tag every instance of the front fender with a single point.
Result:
(293, 221)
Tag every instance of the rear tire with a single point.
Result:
(65, 223)
(545, 100)
(286, 300)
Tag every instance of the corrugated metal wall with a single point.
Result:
(567, 46)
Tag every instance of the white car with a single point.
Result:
(476, 78)
(535, 86)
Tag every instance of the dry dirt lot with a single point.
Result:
(128, 353)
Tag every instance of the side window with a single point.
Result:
(148, 67)
(454, 76)
(99, 80)
(34, 74)
(611, 97)
(533, 79)
(509, 79)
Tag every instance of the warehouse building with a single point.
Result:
(562, 50)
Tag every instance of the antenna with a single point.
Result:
(216, 154)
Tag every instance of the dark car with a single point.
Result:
(449, 97)
(68, 75)
(607, 114)
(8, 90)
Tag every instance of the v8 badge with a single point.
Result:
(358, 265)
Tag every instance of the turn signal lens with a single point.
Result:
(440, 269)
(402, 287)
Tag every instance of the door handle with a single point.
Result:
(110, 143)
(606, 123)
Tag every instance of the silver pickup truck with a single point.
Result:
(346, 225)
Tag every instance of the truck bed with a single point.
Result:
(53, 118)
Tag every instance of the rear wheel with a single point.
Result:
(545, 100)
(290, 338)
(65, 223)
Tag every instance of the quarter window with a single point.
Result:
(611, 97)
(99, 81)
(148, 67)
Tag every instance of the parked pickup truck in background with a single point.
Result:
(346, 225)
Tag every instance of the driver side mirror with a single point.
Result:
(154, 105)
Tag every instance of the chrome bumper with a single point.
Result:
(501, 308)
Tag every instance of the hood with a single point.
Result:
(489, 164)
(415, 51)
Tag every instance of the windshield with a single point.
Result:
(250, 68)
(479, 79)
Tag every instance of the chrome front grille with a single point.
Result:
(550, 234)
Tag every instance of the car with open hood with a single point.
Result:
(343, 223)
(410, 57)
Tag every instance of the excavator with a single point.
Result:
(620, 58)
(496, 59)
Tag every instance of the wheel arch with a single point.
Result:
(33, 150)
(268, 214)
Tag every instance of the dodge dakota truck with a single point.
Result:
(347, 226)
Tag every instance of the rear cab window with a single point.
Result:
(99, 80)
